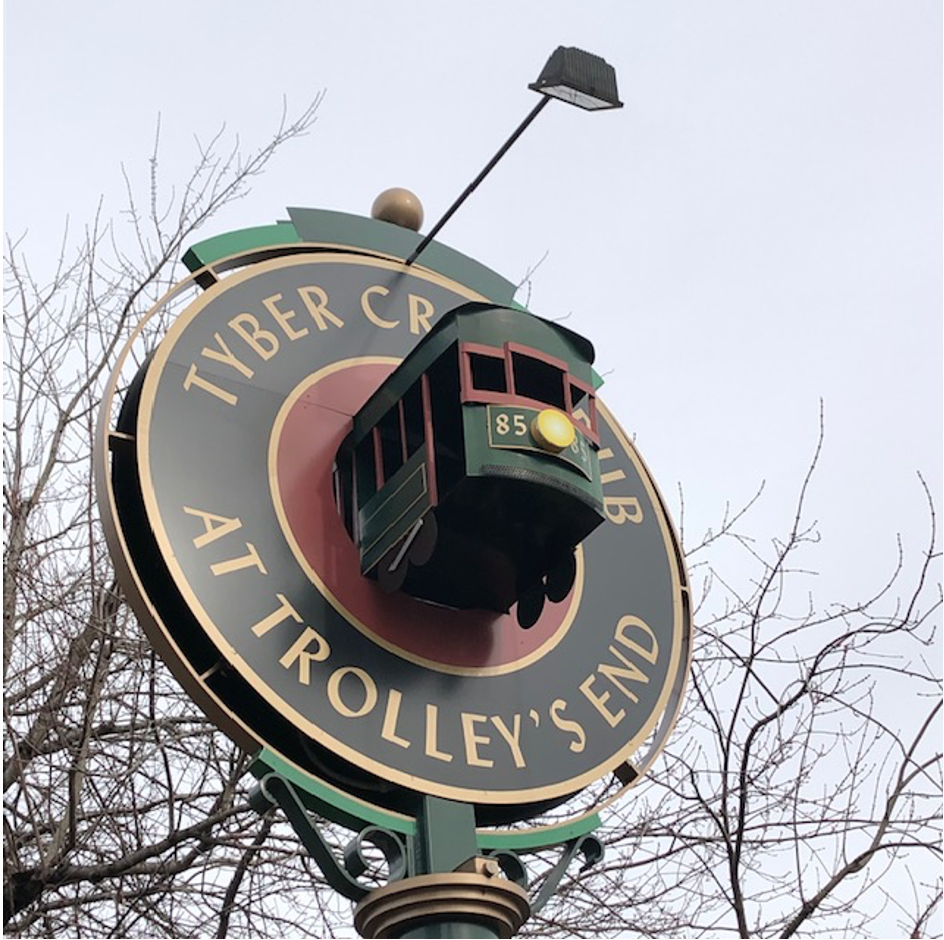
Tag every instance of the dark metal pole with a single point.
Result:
(522, 127)
(445, 839)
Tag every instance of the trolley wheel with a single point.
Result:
(560, 579)
(530, 605)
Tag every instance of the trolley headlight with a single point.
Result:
(552, 430)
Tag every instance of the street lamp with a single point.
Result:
(572, 75)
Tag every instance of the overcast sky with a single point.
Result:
(758, 229)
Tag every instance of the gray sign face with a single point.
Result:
(239, 418)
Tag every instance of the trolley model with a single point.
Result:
(472, 473)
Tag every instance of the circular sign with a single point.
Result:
(223, 497)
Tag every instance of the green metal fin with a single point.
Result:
(233, 243)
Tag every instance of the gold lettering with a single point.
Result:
(473, 740)
(215, 527)
(432, 723)
(298, 652)
(612, 476)
(568, 726)
(619, 509)
(192, 378)
(334, 692)
(599, 702)
(615, 673)
(389, 732)
(651, 654)
(225, 356)
(369, 311)
(276, 617)
(512, 738)
(606, 453)
(283, 318)
(250, 560)
(264, 343)
(319, 311)
(420, 312)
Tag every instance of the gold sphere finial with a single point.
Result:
(399, 206)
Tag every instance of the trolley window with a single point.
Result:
(413, 423)
(366, 465)
(391, 442)
(539, 380)
(583, 407)
(488, 373)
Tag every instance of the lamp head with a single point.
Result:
(579, 78)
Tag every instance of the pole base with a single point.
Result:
(474, 897)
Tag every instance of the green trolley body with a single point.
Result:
(472, 473)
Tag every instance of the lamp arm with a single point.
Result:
(522, 127)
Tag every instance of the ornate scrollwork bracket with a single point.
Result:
(342, 875)
(587, 846)
(404, 860)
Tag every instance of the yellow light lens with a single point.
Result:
(552, 430)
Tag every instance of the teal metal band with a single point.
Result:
(353, 231)
(341, 228)
(355, 814)
(330, 802)
(233, 243)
